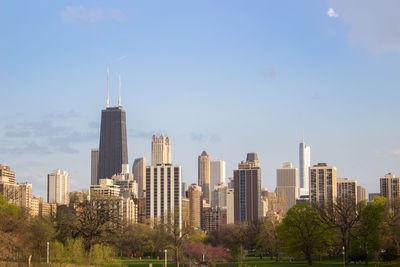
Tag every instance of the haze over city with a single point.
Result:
(226, 77)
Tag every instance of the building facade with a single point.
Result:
(204, 175)
(18, 194)
(286, 187)
(160, 150)
(163, 192)
(347, 190)
(6, 175)
(94, 155)
(361, 193)
(323, 184)
(230, 206)
(58, 187)
(218, 196)
(304, 165)
(390, 186)
(139, 173)
(217, 172)
(195, 198)
(247, 190)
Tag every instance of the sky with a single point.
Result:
(228, 77)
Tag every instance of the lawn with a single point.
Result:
(253, 261)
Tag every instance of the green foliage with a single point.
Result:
(100, 254)
(40, 231)
(303, 232)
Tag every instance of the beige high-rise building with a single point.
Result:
(347, 190)
(18, 194)
(204, 175)
(230, 206)
(390, 186)
(139, 174)
(361, 193)
(286, 186)
(323, 187)
(58, 187)
(6, 175)
(194, 195)
(218, 196)
(160, 150)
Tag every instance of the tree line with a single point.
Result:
(367, 231)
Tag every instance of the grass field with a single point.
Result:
(254, 261)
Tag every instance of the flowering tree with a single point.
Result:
(197, 253)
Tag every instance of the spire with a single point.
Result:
(119, 90)
(108, 88)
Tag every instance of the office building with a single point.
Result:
(361, 193)
(230, 206)
(217, 172)
(58, 187)
(139, 174)
(160, 150)
(304, 165)
(323, 184)
(204, 175)
(347, 190)
(113, 148)
(184, 189)
(213, 218)
(195, 198)
(219, 193)
(389, 186)
(164, 192)
(18, 194)
(286, 187)
(6, 175)
(371, 196)
(94, 165)
(106, 187)
(247, 190)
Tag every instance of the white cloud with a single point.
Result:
(90, 15)
(332, 13)
(374, 24)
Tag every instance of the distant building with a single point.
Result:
(372, 195)
(347, 190)
(361, 193)
(184, 189)
(58, 187)
(213, 218)
(390, 186)
(230, 206)
(204, 175)
(6, 175)
(18, 194)
(286, 186)
(160, 150)
(323, 184)
(217, 172)
(163, 192)
(94, 165)
(247, 191)
(195, 198)
(186, 212)
(304, 165)
(219, 193)
(139, 174)
(106, 187)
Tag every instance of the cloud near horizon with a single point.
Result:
(80, 14)
(332, 13)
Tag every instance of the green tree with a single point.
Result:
(302, 232)
(267, 239)
(41, 230)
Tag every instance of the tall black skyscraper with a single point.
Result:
(113, 149)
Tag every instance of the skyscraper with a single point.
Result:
(347, 190)
(160, 150)
(58, 187)
(390, 186)
(217, 172)
(361, 193)
(6, 175)
(323, 184)
(139, 173)
(286, 186)
(113, 149)
(304, 164)
(94, 165)
(194, 194)
(247, 190)
(204, 175)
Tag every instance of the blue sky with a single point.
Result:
(228, 77)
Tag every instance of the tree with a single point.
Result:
(267, 239)
(41, 230)
(136, 240)
(302, 232)
(197, 253)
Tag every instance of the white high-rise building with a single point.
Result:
(58, 187)
(164, 192)
(217, 172)
(160, 150)
(230, 208)
(304, 165)
(94, 165)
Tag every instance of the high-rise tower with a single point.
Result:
(204, 175)
(160, 150)
(113, 149)
(304, 164)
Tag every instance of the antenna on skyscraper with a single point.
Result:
(108, 88)
(119, 90)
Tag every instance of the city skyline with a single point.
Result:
(239, 68)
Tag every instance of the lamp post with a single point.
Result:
(47, 252)
(166, 256)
